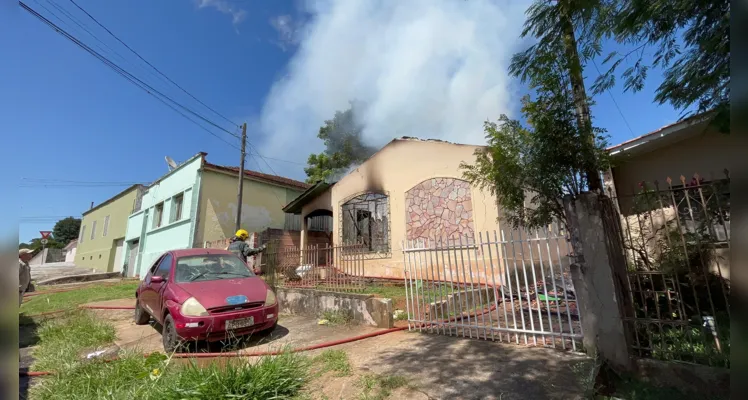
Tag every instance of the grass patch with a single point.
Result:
(61, 301)
(158, 377)
(96, 379)
(337, 317)
(403, 316)
(62, 340)
(335, 361)
(280, 377)
(380, 387)
(390, 292)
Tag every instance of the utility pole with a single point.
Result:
(241, 179)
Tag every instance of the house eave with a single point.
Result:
(644, 143)
(296, 205)
(113, 198)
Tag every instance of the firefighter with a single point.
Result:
(239, 246)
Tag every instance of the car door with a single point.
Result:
(164, 271)
(149, 294)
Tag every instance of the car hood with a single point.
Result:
(218, 293)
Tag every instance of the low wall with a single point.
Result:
(365, 309)
(80, 278)
(694, 379)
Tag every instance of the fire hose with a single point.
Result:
(258, 353)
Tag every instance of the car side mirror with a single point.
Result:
(157, 279)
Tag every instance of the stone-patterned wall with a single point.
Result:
(439, 208)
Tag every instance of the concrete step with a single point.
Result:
(40, 273)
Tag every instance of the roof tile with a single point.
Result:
(280, 180)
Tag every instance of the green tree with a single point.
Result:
(66, 230)
(696, 73)
(343, 146)
(530, 168)
(567, 33)
(36, 244)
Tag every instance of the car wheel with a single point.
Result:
(141, 316)
(172, 342)
(271, 329)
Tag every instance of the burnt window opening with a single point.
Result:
(366, 222)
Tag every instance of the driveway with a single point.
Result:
(292, 330)
(456, 368)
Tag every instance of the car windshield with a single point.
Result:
(210, 267)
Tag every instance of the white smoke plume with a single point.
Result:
(424, 68)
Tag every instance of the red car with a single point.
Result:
(204, 294)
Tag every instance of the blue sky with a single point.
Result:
(72, 119)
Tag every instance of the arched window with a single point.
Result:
(366, 221)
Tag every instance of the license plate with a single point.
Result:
(239, 323)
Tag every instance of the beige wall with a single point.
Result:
(397, 168)
(321, 202)
(99, 252)
(704, 153)
(262, 205)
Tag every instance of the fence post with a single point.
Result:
(593, 276)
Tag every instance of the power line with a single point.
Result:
(53, 185)
(64, 183)
(282, 204)
(45, 217)
(45, 180)
(614, 101)
(127, 75)
(149, 64)
(138, 82)
(177, 85)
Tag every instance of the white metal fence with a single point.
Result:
(512, 286)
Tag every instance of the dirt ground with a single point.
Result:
(293, 331)
(435, 366)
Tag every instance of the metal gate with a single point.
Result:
(510, 286)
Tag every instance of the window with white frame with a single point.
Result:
(176, 208)
(83, 234)
(106, 226)
(93, 230)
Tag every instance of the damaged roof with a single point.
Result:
(415, 139)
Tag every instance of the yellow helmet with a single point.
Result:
(242, 234)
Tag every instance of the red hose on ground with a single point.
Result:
(253, 354)
(32, 294)
(107, 307)
(298, 350)
(259, 353)
(32, 374)
(49, 313)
